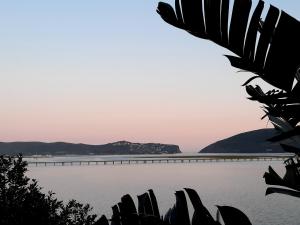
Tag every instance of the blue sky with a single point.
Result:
(103, 71)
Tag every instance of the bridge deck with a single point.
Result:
(192, 159)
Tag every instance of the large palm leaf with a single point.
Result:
(269, 48)
(266, 48)
(271, 57)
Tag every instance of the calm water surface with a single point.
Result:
(239, 184)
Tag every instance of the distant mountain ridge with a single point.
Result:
(63, 148)
(248, 142)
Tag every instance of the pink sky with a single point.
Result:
(95, 73)
(190, 126)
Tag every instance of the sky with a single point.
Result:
(102, 71)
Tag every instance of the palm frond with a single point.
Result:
(273, 58)
(177, 215)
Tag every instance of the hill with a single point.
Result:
(248, 142)
(63, 148)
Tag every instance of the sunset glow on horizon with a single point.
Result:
(98, 72)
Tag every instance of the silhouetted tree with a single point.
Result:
(23, 202)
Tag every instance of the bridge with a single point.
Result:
(171, 159)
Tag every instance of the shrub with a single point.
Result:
(23, 202)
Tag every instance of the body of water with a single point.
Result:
(239, 184)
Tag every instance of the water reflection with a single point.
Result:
(239, 184)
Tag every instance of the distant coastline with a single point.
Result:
(64, 148)
(248, 142)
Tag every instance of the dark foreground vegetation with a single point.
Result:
(23, 202)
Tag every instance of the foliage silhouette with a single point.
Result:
(266, 48)
(22, 201)
(126, 213)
